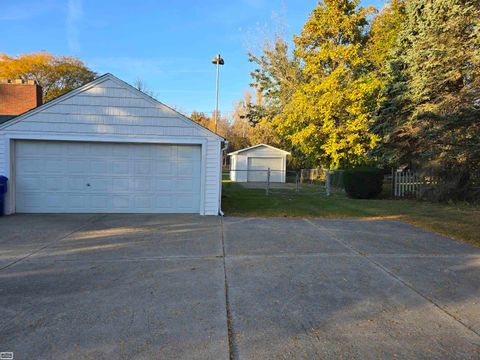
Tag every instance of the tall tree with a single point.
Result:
(385, 50)
(329, 117)
(319, 99)
(56, 74)
(277, 77)
(201, 118)
(384, 32)
(431, 114)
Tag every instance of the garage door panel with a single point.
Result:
(98, 202)
(163, 153)
(121, 185)
(54, 201)
(164, 201)
(76, 183)
(185, 169)
(164, 166)
(143, 184)
(120, 167)
(53, 149)
(55, 183)
(32, 183)
(99, 184)
(74, 166)
(77, 149)
(99, 166)
(30, 201)
(121, 151)
(185, 185)
(27, 149)
(29, 166)
(184, 201)
(53, 166)
(101, 150)
(185, 154)
(143, 167)
(164, 185)
(110, 177)
(121, 202)
(77, 202)
(143, 202)
(142, 152)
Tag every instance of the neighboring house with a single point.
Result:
(252, 164)
(106, 147)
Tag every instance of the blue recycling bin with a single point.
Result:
(3, 191)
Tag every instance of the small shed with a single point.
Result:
(252, 164)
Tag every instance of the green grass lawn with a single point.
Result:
(461, 222)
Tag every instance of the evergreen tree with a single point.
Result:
(431, 116)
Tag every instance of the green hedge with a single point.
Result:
(363, 183)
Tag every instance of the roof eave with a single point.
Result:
(256, 146)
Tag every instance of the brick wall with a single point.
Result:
(17, 96)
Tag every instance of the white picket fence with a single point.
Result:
(409, 183)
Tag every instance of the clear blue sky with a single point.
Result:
(168, 44)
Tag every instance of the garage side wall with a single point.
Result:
(109, 110)
(240, 171)
(212, 182)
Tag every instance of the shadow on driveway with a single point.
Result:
(153, 287)
(113, 287)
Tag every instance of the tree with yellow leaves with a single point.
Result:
(56, 74)
(322, 98)
(330, 114)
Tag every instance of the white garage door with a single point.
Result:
(258, 169)
(79, 177)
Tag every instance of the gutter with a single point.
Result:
(223, 149)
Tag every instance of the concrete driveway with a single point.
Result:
(191, 287)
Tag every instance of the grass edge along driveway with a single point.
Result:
(461, 222)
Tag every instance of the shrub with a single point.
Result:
(363, 183)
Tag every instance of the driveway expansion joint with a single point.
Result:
(397, 278)
(90, 221)
(231, 341)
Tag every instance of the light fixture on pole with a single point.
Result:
(217, 60)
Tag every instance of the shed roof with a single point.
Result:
(257, 146)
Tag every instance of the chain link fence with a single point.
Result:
(302, 181)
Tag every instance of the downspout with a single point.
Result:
(225, 146)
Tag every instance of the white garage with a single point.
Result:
(108, 148)
(254, 164)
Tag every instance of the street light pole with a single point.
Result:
(217, 61)
(216, 107)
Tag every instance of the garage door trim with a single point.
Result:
(10, 153)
